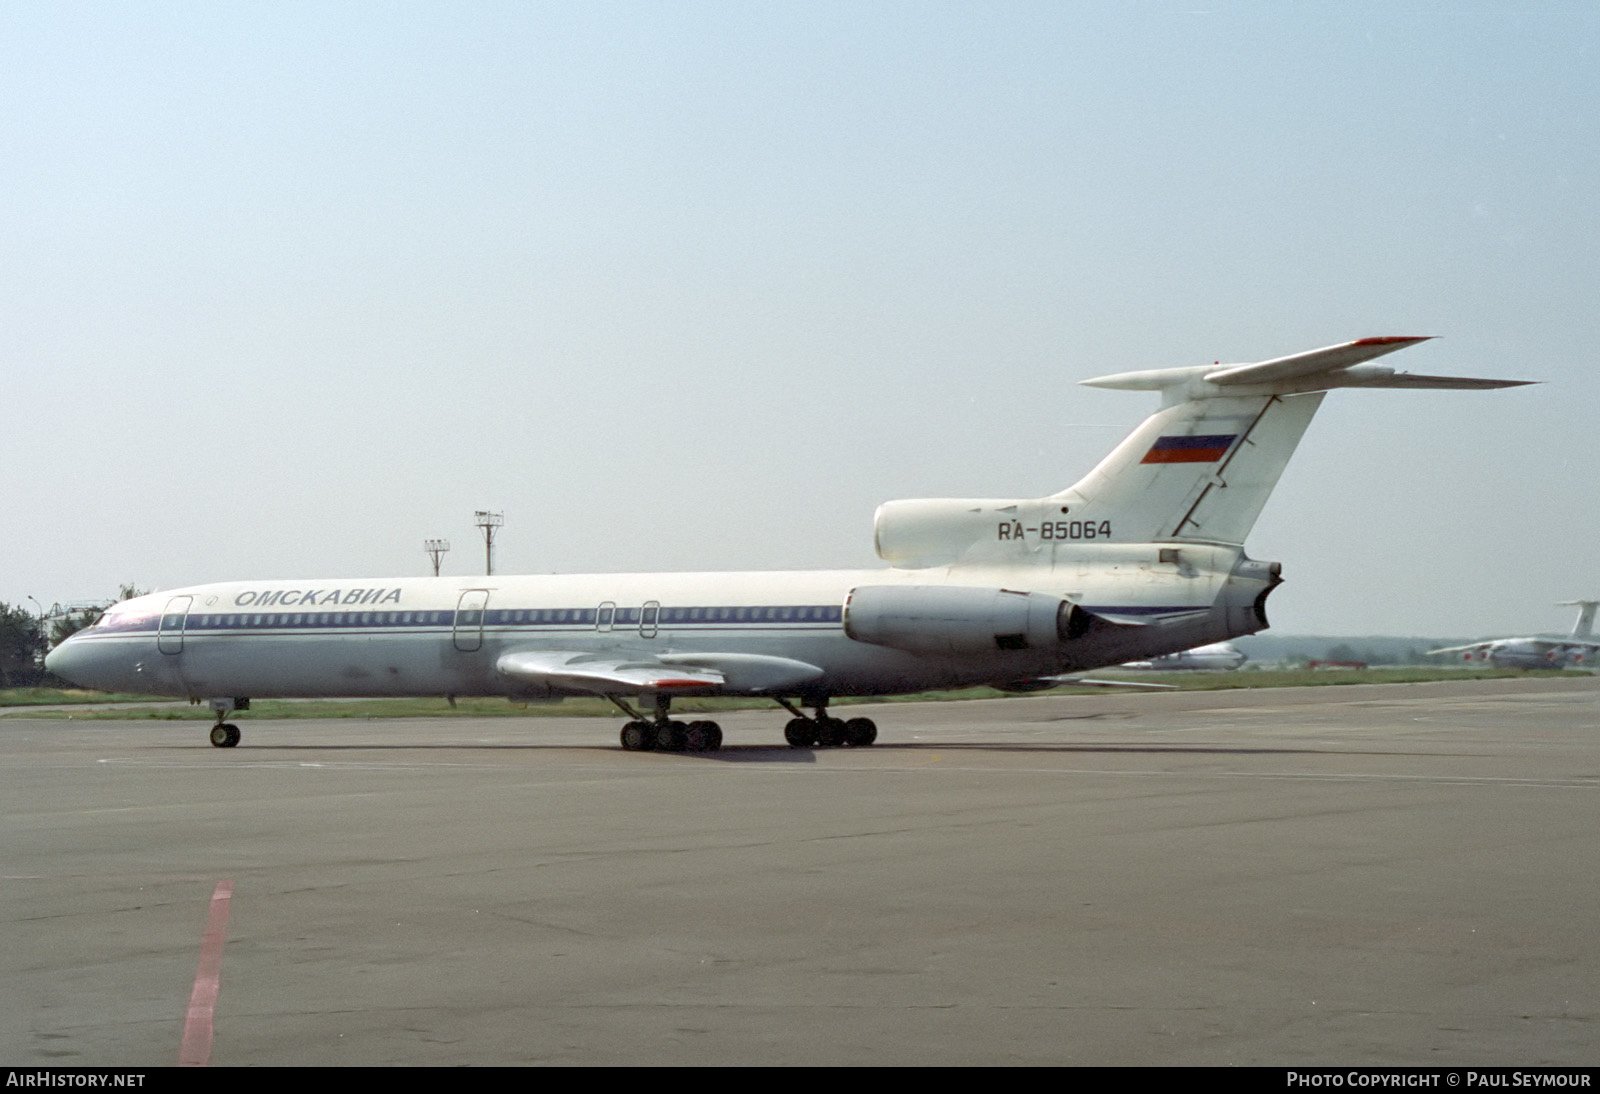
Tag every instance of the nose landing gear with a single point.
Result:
(226, 734)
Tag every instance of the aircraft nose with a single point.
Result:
(61, 660)
(75, 662)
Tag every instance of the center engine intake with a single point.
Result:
(959, 619)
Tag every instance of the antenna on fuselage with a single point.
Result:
(489, 523)
(436, 549)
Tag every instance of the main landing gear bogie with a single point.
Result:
(826, 732)
(671, 736)
(665, 734)
(821, 730)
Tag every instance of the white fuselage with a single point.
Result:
(445, 636)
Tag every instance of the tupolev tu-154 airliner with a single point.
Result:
(1142, 557)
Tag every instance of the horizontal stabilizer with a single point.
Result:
(1452, 383)
(1344, 365)
(1328, 359)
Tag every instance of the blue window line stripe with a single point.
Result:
(541, 618)
(800, 617)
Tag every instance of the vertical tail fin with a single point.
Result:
(1203, 466)
(1584, 627)
(1201, 470)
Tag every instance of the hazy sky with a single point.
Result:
(288, 288)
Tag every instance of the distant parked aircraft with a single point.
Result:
(1539, 652)
(1218, 655)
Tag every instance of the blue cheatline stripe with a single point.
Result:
(790, 616)
(713, 617)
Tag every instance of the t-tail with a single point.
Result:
(1584, 627)
(1199, 470)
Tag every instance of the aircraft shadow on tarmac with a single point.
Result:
(748, 753)
(782, 753)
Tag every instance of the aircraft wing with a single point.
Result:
(1462, 649)
(622, 674)
(572, 670)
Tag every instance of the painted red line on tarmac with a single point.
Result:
(196, 1050)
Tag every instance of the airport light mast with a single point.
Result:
(488, 523)
(436, 549)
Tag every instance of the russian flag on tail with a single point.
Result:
(1203, 449)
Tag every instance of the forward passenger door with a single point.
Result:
(469, 620)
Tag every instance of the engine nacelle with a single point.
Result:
(933, 531)
(960, 619)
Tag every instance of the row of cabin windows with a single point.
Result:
(470, 617)
(316, 619)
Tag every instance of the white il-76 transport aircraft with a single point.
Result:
(1142, 557)
(1579, 651)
